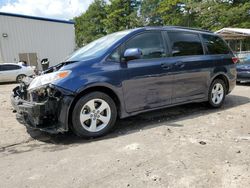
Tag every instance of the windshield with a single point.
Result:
(98, 47)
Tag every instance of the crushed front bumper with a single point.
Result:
(50, 115)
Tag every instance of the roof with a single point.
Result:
(36, 18)
(189, 28)
(234, 33)
(176, 28)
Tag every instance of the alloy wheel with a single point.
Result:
(95, 115)
(217, 93)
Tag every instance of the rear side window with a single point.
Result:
(185, 43)
(9, 67)
(151, 44)
(215, 45)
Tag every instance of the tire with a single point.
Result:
(20, 77)
(89, 120)
(217, 93)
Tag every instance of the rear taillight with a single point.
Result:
(235, 60)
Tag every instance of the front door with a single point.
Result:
(149, 80)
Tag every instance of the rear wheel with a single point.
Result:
(94, 115)
(217, 93)
(20, 77)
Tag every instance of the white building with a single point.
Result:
(31, 39)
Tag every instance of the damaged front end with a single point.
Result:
(45, 107)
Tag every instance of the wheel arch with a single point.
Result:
(110, 92)
(223, 77)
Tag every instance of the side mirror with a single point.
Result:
(132, 53)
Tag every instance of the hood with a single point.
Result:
(60, 74)
(69, 65)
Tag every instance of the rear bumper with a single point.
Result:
(50, 116)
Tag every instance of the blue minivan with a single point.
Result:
(124, 74)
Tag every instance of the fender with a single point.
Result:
(219, 74)
(117, 90)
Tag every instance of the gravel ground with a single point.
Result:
(184, 146)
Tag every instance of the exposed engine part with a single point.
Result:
(40, 95)
(21, 91)
(44, 94)
(45, 108)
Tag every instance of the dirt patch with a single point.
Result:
(184, 146)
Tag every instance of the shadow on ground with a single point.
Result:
(167, 117)
(8, 83)
(244, 84)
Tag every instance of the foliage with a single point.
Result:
(90, 25)
(102, 18)
(219, 14)
(149, 13)
(121, 15)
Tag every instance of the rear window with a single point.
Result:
(185, 43)
(215, 45)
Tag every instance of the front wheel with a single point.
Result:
(217, 93)
(94, 115)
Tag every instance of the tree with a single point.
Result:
(121, 15)
(214, 15)
(169, 12)
(101, 18)
(150, 14)
(89, 26)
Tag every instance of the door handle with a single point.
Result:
(165, 66)
(179, 64)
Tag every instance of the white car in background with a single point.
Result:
(12, 72)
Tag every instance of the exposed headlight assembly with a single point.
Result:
(46, 79)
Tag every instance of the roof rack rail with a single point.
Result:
(190, 28)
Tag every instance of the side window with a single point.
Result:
(115, 56)
(185, 43)
(10, 67)
(4, 68)
(215, 45)
(151, 44)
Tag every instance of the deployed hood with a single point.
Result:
(57, 67)
(48, 76)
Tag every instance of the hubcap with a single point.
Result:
(217, 93)
(95, 115)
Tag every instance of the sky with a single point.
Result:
(57, 9)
